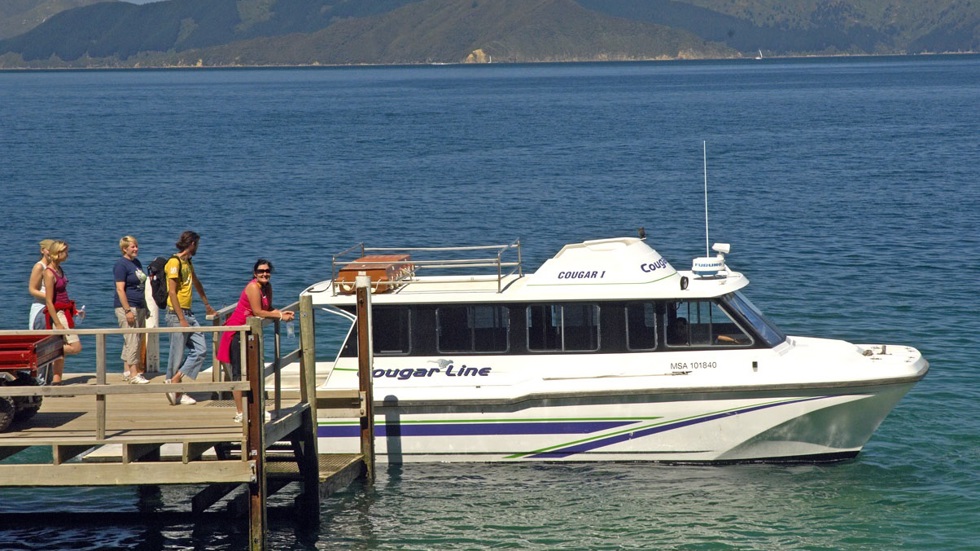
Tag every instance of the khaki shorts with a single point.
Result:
(71, 337)
(132, 342)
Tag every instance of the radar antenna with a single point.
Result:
(704, 154)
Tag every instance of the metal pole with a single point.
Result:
(215, 341)
(365, 362)
(277, 367)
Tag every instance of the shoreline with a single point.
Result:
(139, 67)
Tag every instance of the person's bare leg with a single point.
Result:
(57, 369)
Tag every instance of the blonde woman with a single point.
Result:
(60, 312)
(130, 307)
(35, 286)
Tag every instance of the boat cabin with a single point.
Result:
(610, 296)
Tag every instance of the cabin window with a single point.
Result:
(563, 327)
(482, 328)
(392, 330)
(702, 323)
(766, 330)
(641, 326)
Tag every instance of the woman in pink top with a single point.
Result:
(255, 300)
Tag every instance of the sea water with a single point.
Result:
(848, 189)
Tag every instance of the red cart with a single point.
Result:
(22, 357)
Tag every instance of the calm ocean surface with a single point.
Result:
(848, 189)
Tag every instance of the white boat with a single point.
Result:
(604, 353)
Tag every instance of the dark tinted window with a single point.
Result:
(482, 328)
(563, 327)
(641, 326)
(392, 330)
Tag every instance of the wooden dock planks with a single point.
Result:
(141, 424)
(143, 440)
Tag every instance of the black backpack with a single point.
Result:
(158, 280)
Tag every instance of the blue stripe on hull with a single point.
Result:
(623, 437)
(503, 428)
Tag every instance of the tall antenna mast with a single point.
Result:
(704, 145)
(708, 267)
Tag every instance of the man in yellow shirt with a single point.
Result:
(180, 279)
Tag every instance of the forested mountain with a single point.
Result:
(20, 16)
(434, 31)
(786, 27)
(122, 29)
(302, 32)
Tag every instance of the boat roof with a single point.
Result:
(623, 268)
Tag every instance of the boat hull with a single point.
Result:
(693, 426)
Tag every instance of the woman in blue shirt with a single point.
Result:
(130, 307)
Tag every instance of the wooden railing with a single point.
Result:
(278, 360)
(254, 390)
(223, 475)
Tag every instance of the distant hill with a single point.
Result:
(453, 31)
(20, 16)
(121, 30)
(301, 32)
(799, 27)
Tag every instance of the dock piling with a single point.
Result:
(255, 436)
(305, 446)
(365, 362)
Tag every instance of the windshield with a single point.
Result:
(748, 311)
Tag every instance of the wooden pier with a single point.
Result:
(103, 432)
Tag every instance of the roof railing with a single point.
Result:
(401, 265)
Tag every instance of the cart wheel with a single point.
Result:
(27, 413)
(6, 413)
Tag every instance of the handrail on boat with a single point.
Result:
(407, 269)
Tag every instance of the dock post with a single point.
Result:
(100, 379)
(309, 501)
(255, 436)
(365, 363)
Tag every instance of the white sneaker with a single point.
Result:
(238, 417)
(139, 379)
(127, 377)
(171, 396)
(186, 400)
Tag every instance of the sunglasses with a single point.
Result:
(266, 271)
